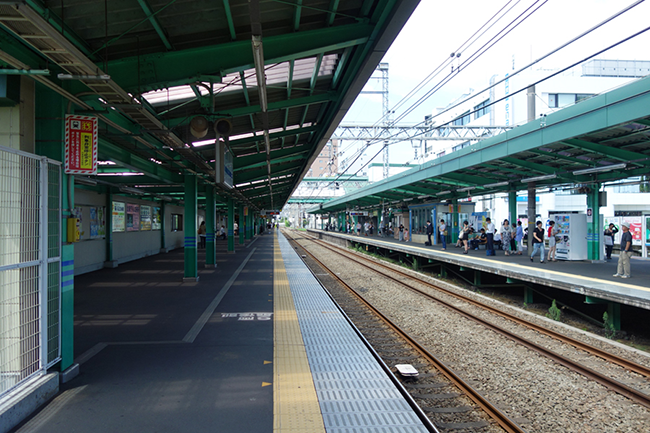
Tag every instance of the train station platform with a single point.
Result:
(247, 348)
(594, 280)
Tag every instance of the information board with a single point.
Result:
(80, 144)
(145, 217)
(119, 213)
(132, 217)
(156, 219)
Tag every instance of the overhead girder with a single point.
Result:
(258, 174)
(242, 162)
(273, 136)
(611, 152)
(187, 66)
(107, 150)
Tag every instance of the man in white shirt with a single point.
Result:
(490, 237)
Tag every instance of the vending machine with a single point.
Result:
(571, 241)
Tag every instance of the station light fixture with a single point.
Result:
(538, 178)
(494, 185)
(467, 188)
(103, 77)
(128, 190)
(85, 181)
(602, 169)
(443, 192)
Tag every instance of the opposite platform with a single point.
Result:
(586, 278)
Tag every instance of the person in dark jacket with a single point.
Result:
(609, 233)
(429, 231)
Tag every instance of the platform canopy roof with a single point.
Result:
(601, 139)
(282, 72)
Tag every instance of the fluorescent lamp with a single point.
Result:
(494, 185)
(407, 199)
(128, 190)
(467, 188)
(601, 169)
(537, 178)
(85, 181)
(443, 192)
(84, 77)
(423, 197)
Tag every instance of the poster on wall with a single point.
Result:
(80, 144)
(119, 212)
(145, 217)
(647, 229)
(156, 219)
(636, 228)
(132, 217)
(97, 222)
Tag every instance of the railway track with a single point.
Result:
(436, 384)
(404, 279)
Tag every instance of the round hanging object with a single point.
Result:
(199, 126)
(223, 127)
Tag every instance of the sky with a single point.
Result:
(438, 28)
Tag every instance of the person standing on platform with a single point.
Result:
(623, 269)
(201, 232)
(609, 234)
(429, 232)
(465, 231)
(358, 229)
(401, 232)
(506, 236)
(552, 231)
(442, 229)
(519, 238)
(490, 237)
(406, 235)
(538, 242)
(366, 228)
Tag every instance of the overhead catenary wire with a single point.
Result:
(532, 84)
(376, 140)
(474, 56)
(465, 45)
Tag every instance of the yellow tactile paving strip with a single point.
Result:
(295, 403)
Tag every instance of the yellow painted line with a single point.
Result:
(295, 403)
(520, 267)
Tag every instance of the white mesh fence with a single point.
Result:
(25, 291)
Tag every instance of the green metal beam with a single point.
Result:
(183, 66)
(231, 23)
(154, 22)
(253, 109)
(296, 15)
(611, 152)
(334, 5)
(108, 150)
(274, 136)
(243, 162)
(257, 174)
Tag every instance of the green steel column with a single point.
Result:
(242, 225)
(614, 313)
(189, 226)
(532, 216)
(231, 226)
(109, 225)
(593, 228)
(49, 128)
(455, 227)
(163, 225)
(249, 224)
(210, 217)
(528, 295)
(512, 206)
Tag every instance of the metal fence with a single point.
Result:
(30, 257)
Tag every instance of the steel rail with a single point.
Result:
(625, 363)
(604, 380)
(492, 411)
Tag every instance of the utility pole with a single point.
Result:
(383, 68)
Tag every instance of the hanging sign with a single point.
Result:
(80, 144)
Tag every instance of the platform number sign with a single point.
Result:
(80, 144)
